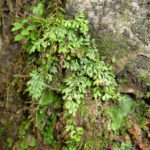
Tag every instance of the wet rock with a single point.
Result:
(136, 76)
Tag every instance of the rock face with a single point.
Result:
(10, 119)
(8, 54)
(122, 32)
(135, 77)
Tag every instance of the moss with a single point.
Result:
(143, 75)
(113, 48)
(148, 15)
(107, 46)
(124, 47)
(123, 83)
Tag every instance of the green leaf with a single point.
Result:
(24, 126)
(32, 36)
(39, 10)
(30, 140)
(32, 50)
(116, 124)
(10, 142)
(31, 27)
(24, 32)
(19, 37)
(24, 21)
(17, 26)
(36, 85)
(23, 145)
(126, 105)
(47, 99)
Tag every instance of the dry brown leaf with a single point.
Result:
(136, 133)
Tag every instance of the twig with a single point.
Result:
(21, 76)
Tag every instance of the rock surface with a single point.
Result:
(122, 32)
(135, 77)
(8, 54)
(10, 119)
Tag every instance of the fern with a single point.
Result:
(36, 85)
(68, 64)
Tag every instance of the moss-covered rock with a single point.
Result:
(136, 75)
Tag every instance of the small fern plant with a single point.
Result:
(65, 62)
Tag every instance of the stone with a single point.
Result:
(136, 76)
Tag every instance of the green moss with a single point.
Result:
(148, 14)
(123, 83)
(113, 48)
(143, 75)
(107, 46)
